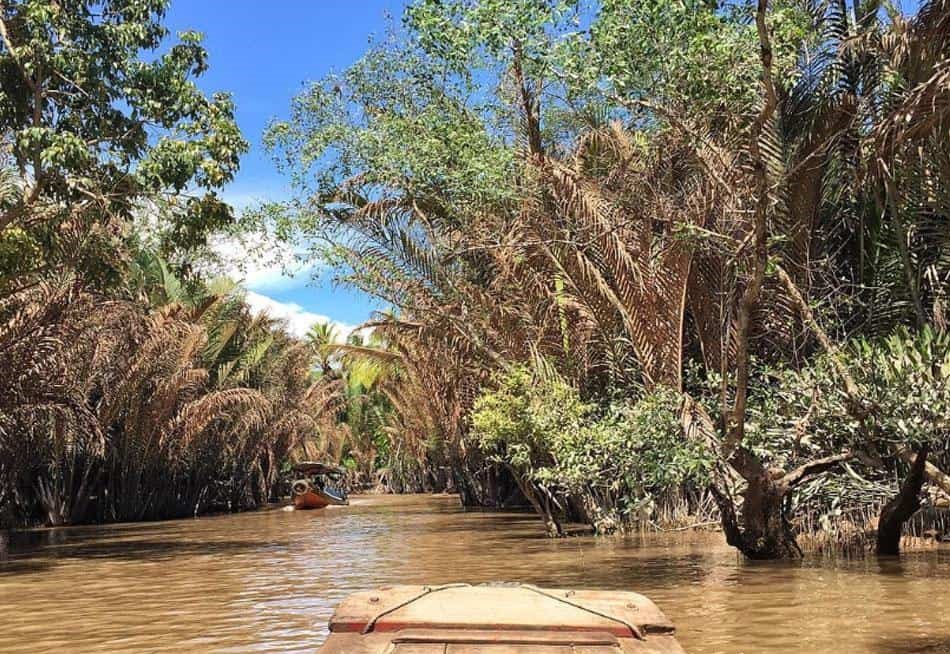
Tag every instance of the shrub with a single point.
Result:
(605, 462)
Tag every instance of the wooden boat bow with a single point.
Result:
(499, 619)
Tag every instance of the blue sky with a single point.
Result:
(262, 53)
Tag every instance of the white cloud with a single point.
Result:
(264, 264)
(298, 320)
(261, 261)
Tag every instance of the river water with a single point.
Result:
(268, 581)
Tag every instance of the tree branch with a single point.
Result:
(812, 468)
(932, 472)
(851, 387)
(750, 296)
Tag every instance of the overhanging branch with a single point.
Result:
(812, 468)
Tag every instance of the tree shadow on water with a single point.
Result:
(913, 645)
(29, 540)
(9, 568)
(124, 550)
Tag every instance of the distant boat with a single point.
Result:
(311, 490)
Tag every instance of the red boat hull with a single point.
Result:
(310, 500)
(314, 499)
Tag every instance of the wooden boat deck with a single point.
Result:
(463, 619)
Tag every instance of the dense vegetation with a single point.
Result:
(131, 388)
(651, 259)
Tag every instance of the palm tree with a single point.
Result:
(320, 336)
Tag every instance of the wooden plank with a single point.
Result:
(512, 637)
(511, 649)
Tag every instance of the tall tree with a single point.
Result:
(105, 123)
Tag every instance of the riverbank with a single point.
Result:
(849, 539)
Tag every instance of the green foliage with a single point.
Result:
(471, 35)
(799, 416)
(433, 116)
(392, 121)
(524, 419)
(620, 252)
(646, 438)
(102, 127)
(621, 455)
(358, 371)
(904, 379)
(687, 52)
(907, 377)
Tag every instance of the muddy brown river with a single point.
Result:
(268, 581)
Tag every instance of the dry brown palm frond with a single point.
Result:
(196, 415)
(923, 111)
(374, 353)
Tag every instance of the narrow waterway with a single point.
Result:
(268, 581)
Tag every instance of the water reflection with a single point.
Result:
(268, 581)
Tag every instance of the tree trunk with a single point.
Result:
(766, 532)
(900, 509)
(51, 499)
(469, 494)
(761, 531)
(552, 527)
(602, 521)
(541, 506)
